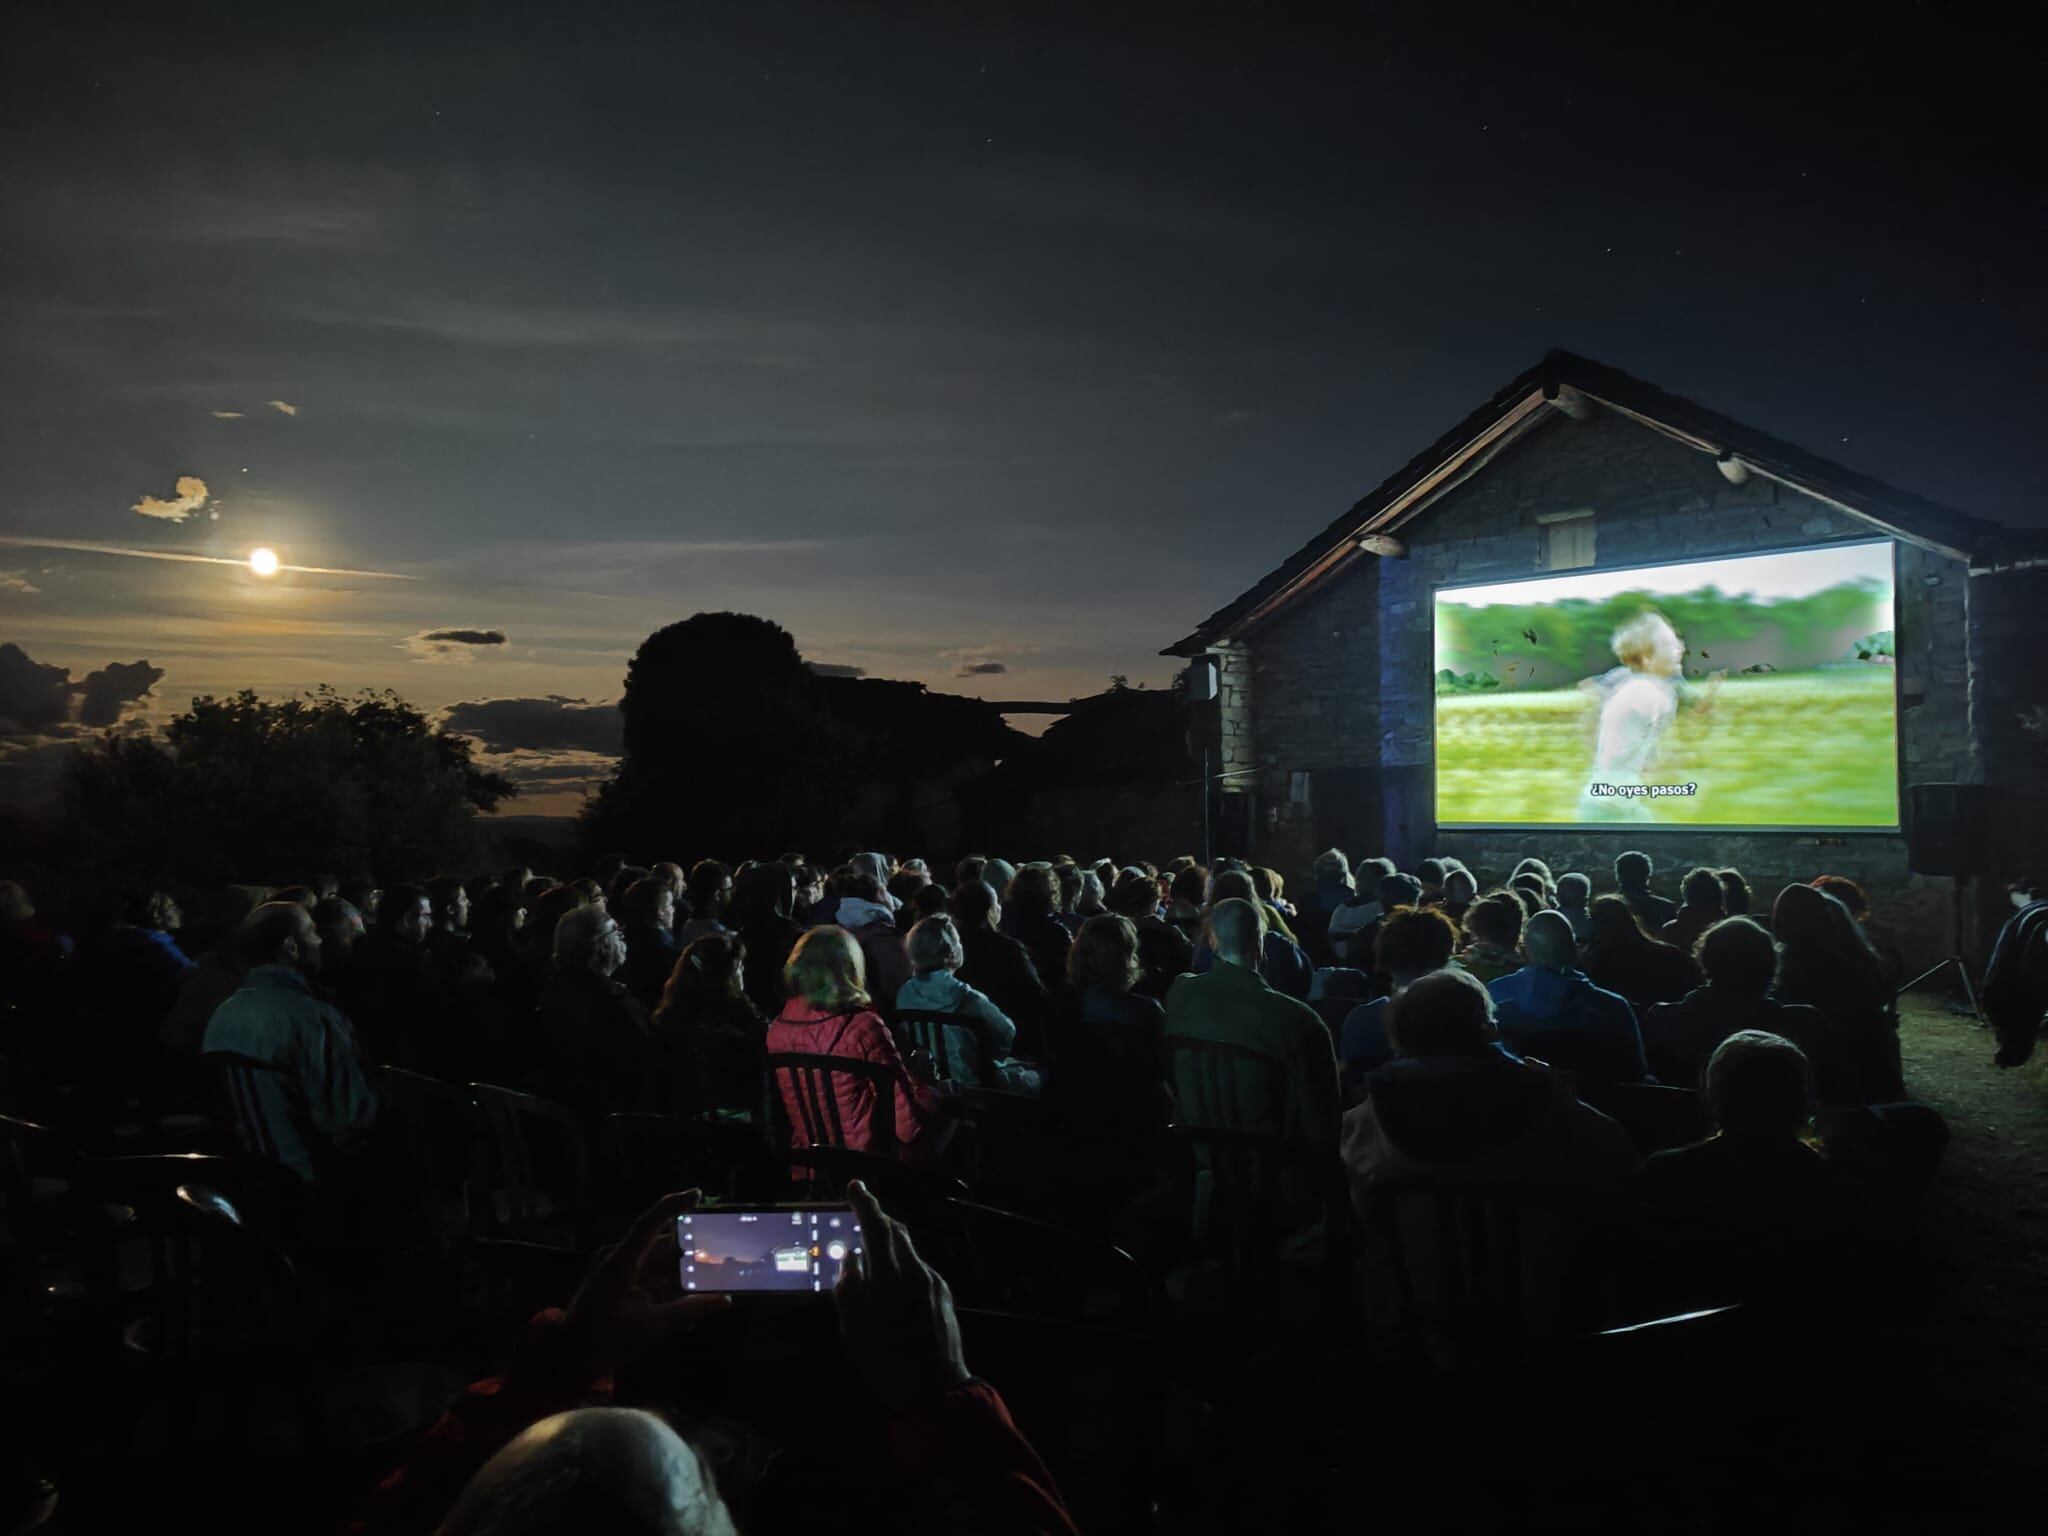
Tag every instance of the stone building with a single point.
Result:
(1326, 666)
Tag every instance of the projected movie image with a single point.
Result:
(1747, 692)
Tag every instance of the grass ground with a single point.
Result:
(1988, 1224)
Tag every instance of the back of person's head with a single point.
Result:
(1093, 901)
(934, 945)
(999, 873)
(1233, 885)
(1759, 1084)
(1497, 919)
(1270, 884)
(672, 872)
(1191, 887)
(1070, 883)
(827, 971)
(1574, 890)
(1370, 872)
(1034, 890)
(975, 905)
(1431, 873)
(1809, 921)
(969, 868)
(1530, 901)
(290, 895)
(578, 937)
(1738, 956)
(1535, 887)
(623, 879)
(1445, 1013)
(710, 966)
(1611, 923)
(1632, 870)
(1701, 889)
(339, 925)
(1549, 943)
(1413, 941)
(1134, 896)
(1332, 868)
(1237, 930)
(1735, 894)
(608, 865)
(764, 892)
(1104, 954)
(404, 911)
(930, 900)
(1395, 889)
(1846, 891)
(615, 1471)
(905, 884)
(1532, 866)
(644, 901)
(278, 933)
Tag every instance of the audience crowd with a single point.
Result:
(1682, 1059)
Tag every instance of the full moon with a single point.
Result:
(263, 561)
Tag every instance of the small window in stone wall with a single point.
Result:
(1567, 540)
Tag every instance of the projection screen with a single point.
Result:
(1755, 692)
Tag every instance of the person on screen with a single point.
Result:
(1638, 701)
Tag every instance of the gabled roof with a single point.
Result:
(1565, 383)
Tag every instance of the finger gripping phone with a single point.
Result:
(740, 1249)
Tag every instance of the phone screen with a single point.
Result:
(765, 1248)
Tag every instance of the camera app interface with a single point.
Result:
(785, 1250)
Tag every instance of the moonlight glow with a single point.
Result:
(263, 561)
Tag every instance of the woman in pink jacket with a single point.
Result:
(829, 1013)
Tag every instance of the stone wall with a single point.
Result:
(1345, 676)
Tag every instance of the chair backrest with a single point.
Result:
(224, 1293)
(999, 1261)
(249, 1092)
(1251, 1192)
(444, 1158)
(1483, 1279)
(948, 1040)
(810, 1086)
(1221, 1085)
(536, 1164)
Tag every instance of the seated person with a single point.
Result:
(1574, 895)
(1754, 1209)
(1281, 962)
(2016, 981)
(980, 1054)
(1412, 944)
(318, 1112)
(1548, 1009)
(1357, 911)
(595, 1051)
(1493, 935)
(1701, 904)
(1232, 1003)
(1451, 1108)
(1619, 955)
(1741, 965)
(829, 1013)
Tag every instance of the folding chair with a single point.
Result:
(535, 1169)
(948, 1041)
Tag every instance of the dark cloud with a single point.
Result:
(32, 693)
(835, 669)
(35, 696)
(465, 636)
(552, 724)
(105, 693)
(981, 669)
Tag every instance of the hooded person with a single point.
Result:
(864, 912)
(876, 867)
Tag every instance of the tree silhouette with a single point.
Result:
(244, 788)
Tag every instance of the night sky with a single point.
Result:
(986, 346)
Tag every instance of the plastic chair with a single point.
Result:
(1225, 1086)
(951, 1043)
(809, 1085)
(248, 1092)
(1483, 1281)
(534, 1173)
(443, 1158)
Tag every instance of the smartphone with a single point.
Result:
(775, 1248)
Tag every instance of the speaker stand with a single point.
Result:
(1936, 969)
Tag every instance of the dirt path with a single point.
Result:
(1988, 1220)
